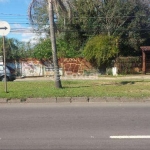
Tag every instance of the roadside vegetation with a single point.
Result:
(124, 25)
(100, 31)
(133, 88)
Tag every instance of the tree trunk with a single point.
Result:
(54, 49)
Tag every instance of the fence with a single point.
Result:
(129, 65)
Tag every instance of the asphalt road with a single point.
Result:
(103, 126)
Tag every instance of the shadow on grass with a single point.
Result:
(123, 82)
(67, 87)
(107, 83)
(128, 82)
(132, 82)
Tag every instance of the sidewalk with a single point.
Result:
(141, 77)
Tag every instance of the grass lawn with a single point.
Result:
(77, 88)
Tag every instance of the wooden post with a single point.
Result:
(144, 62)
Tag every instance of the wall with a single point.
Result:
(75, 66)
(72, 66)
(31, 67)
(68, 66)
(27, 67)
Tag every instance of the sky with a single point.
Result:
(15, 12)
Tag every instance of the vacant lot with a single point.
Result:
(130, 88)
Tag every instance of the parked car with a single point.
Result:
(10, 73)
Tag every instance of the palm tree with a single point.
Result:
(59, 6)
(54, 49)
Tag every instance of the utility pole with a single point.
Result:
(54, 48)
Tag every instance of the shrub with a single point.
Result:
(101, 49)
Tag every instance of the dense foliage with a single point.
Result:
(126, 20)
(101, 49)
(43, 50)
(15, 49)
(83, 21)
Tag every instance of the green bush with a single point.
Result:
(43, 50)
(101, 49)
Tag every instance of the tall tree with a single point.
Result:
(54, 48)
(126, 19)
(58, 5)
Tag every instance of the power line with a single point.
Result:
(15, 23)
(76, 16)
(31, 31)
(13, 14)
(25, 22)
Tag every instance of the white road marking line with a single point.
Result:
(131, 137)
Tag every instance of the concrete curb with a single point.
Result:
(74, 100)
(41, 100)
(79, 99)
(96, 99)
(63, 99)
(3, 100)
(14, 101)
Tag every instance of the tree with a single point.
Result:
(78, 29)
(126, 19)
(101, 49)
(68, 48)
(54, 48)
(83, 19)
(136, 32)
(43, 50)
(59, 5)
(38, 13)
(11, 48)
